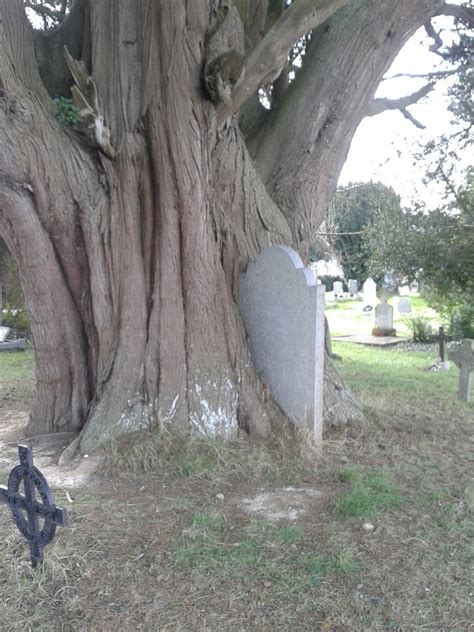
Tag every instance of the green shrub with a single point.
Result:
(420, 328)
(16, 319)
(66, 113)
(461, 322)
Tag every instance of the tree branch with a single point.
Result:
(466, 14)
(440, 74)
(253, 14)
(381, 105)
(353, 232)
(267, 59)
(73, 32)
(412, 119)
(435, 36)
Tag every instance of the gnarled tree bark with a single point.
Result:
(130, 266)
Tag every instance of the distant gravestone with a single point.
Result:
(463, 357)
(4, 331)
(337, 287)
(384, 317)
(414, 287)
(370, 292)
(404, 290)
(282, 307)
(402, 305)
(353, 286)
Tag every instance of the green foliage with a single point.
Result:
(419, 327)
(16, 319)
(15, 315)
(352, 210)
(66, 112)
(461, 321)
(460, 54)
(434, 247)
(370, 493)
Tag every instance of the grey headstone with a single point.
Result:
(370, 292)
(337, 287)
(283, 311)
(384, 316)
(353, 286)
(4, 331)
(402, 305)
(462, 355)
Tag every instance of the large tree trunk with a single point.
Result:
(130, 265)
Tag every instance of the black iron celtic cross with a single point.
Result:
(27, 510)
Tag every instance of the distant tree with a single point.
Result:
(351, 211)
(442, 154)
(437, 248)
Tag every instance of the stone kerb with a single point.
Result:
(283, 311)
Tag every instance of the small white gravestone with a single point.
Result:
(402, 305)
(463, 357)
(353, 286)
(4, 331)
(404, 290)
(384, 317)
(337, 287)
(282, 307)
(370, 292)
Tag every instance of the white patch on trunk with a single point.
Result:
(215, 420)
(171, 412)
(139, 416)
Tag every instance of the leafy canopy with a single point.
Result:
(435, 247)
(351, 212)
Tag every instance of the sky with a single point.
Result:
(384, 145)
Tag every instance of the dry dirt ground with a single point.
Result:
(373, 534)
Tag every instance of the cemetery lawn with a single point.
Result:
(162, 539)
(345, 316)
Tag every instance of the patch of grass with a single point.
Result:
(397, 380)
(208, 520)
(318, 566)
(173, 453)
(17, 378)
(348, 474)
(345, 304)
(345, 317)
(370, 494)
(271, 552)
